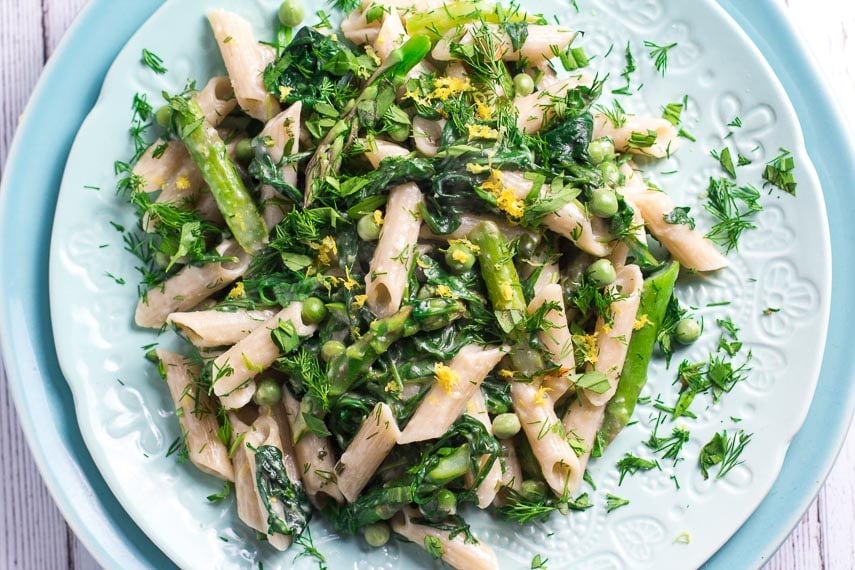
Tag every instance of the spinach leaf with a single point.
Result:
(287, 505)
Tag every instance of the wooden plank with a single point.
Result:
(32, 532)
(837, 510)
(58, 15)
(803, 548)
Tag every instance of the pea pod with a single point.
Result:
(655, 294)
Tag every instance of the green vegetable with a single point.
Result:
(604, 202)
(376, 534)
(610, 173)
(267, 393)
(601, 273)
(601, 150)
(459, 258)
(286, 503)
(291, 13)
(332, 349)
(723, 450)
(533, 490)
(655, 295)
(688, 331)
(163, 117)
(500, 276)
(506, 426)
(367, 228)
(450, 466)
(225, 183)
(425, 315)
(314, 311)
(244, 151)
(523, 84)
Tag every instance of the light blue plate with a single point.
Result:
(44, 402)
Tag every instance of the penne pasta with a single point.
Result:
(649, 136)
(537, 109)
(556, 339)
(488, 488)
(283, 134)
(456, 552)
(235, 369)
(208, 329)
(245, 61)
(545, 433)
(191, 286)
(387, 274)
(454, 387)
(373, 442)
(537, 47)
(197, 417)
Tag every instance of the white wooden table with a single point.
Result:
(33, 534)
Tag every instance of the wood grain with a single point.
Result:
(32, 532)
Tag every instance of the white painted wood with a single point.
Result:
(32, 533)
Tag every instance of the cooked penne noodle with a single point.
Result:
(245, 61)
(456, 552)
(283, 134)
(687, 245)
(235, 369)
(658, 136)
(373, 442)
(469, 222)
(450, 393)
(545, 434)
(208, 329)
(315, 458)
(197, 417)
(386, 280)
(537, 47)
(556, 339)
(488, 488)
(217, 99)
(537, 109)
(582, 421)
(613, 338)
(589, 233)
(191, 286)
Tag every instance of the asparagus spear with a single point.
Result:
(425, 315)
(209, 153)
(506, 294)
(655, 295)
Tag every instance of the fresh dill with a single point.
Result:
(733, 207)
(628, 70)
(631, 464)
(153, 61)
(659, 55)
(723, 450)
(614, 502)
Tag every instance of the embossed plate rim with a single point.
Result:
(144, 515)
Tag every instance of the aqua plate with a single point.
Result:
(676, 518)
(44, 403)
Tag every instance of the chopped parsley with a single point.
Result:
(723, 450)
(779, 173)
(614, 502)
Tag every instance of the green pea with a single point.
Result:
(399, 132)
(291, 13)
(688, 331)
(267, 392)
(533, 490)
(446, 502)
(367, 228)
(601, 150)
(506, 426)
(331, 349)
(523, 84)
(601, 272)
(527, 244)
(376, 534)
(314, 311)
(164, 116)
(604, 202)
(244, 151)
(610, 173)
(459, 258)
